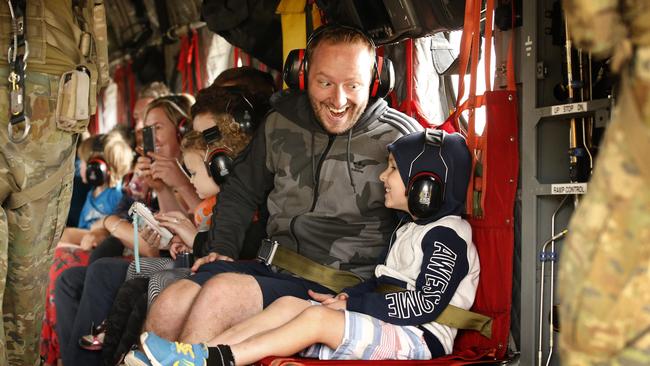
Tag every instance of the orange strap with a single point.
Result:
(469, 54)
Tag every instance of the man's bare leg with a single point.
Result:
(278, 313)
(171, 308)
(223, 301)
(316, 324)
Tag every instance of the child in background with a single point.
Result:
(431, 263)
(105, 160)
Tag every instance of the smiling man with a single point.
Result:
(315, 162)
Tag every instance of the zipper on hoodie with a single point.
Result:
(317, 178)
(318, 168)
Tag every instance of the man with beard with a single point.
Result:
(315, 161)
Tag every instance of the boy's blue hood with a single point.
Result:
(453, 153)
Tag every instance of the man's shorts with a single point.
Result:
(273, 285)
(368, 338)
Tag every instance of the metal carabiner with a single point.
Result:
(12, 53)
(23, 136)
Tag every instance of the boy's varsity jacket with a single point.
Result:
(433, 258)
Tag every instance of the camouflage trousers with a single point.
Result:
(28, 233)
(605, 264)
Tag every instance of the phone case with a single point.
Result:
(147, 218)
(148, 140)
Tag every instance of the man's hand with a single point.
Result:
(212, 257)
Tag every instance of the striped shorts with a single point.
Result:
(368, 338)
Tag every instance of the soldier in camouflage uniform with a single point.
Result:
(315, 163)
(36, 174)
(605, 268)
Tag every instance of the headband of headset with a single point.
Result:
(241, 109)
(426, 190)
(296, 67)
(174, 101)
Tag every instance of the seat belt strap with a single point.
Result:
(336, 280)
(452, 316)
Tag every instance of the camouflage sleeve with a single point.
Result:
(595, 25)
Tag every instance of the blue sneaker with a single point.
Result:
(162, 352)
(136, 358)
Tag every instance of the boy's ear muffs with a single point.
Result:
(425, 190)
(96, 172)
(219, 165)
(425, 194)
(294, 72)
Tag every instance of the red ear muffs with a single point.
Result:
(294, 72)
(425, 194)
(96, 172)
(219, 165)
(383, 81)
(295, 69)
(182, 129)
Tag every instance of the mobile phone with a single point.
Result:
(148, 139)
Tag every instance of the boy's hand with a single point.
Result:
(327, 299)
(337, 304)
(212, 257)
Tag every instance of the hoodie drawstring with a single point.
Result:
(348, 154)
(313, 159)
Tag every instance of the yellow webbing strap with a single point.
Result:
(294, 28)
(453, 316)
(334, 279)
(294, 25)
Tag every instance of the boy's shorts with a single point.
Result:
(368, 338)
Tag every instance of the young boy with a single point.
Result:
(431, 263)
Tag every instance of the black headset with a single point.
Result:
(241, 109)
(295, 68)
(218, 164)
(426, 190)
(97, 172)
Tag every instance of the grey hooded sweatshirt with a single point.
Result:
(323, 193)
